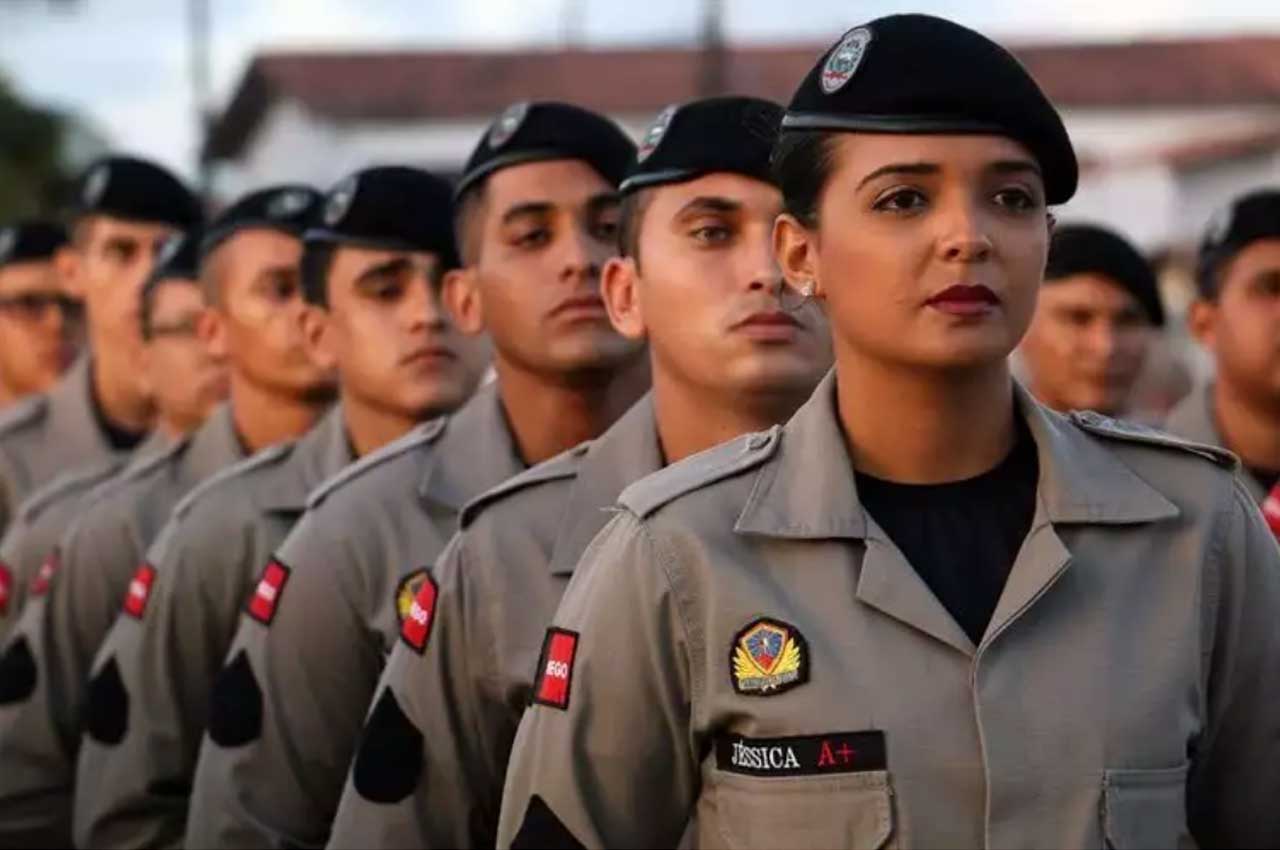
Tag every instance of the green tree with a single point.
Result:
(33, 170)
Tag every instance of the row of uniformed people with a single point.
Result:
(955, 469)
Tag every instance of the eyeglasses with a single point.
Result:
(33, 306)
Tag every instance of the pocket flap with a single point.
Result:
(1146, 808)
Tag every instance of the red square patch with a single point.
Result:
(6, 588)
(555, 668)
(266, 596)
(44, 576)
(416, 627)
(135, 598)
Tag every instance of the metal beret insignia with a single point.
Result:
(95, 185)
(507, 124)
(844, 60)
(653, 135)
(8, 238)
(287, 204)
(339, 203)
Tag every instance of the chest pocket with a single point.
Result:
(1145, 809)
(851, 810)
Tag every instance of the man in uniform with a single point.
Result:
(536, 220)
(371, 274)
(1093, 323)
(697, 280)
(782, 636)
(187, 383)
(249, 271)
(1237, 319)
(125, 209)
(41, 321)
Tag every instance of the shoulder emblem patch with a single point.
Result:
(266, 596)
(1270, 512)
(555, 668)
(44, 576)
(135, 598)
(6, 588)
(768, 657)
(406, 590)
(419, 615)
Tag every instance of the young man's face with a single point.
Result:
(258, 314)
(110, 261)
(543, 233)
(1242, 326)
(388, 333)
(1086, 345)
(705, 289)
(41, 326)
(187, 379)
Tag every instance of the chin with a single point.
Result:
(605, 350)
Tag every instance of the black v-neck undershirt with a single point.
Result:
(962, 537)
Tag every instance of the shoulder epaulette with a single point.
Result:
(693, 473)
(1132, 432)
(23, 414)
(562, 466)
(269, 456)
(76, 481)
(424, 434)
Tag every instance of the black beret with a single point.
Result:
(917, 74)
(24, 241)
(179, 257)
(391, 207)
(136, 190)
(1247, 219)
(733, 134)
(289, 209)
(528, 132)
(1089, 249)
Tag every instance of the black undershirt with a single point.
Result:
(962, 537)
(118, 438)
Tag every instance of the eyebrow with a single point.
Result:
(128, 243)
(1003, 166)
(392, 266)
(270, 273)
(530, 208)
(709, 203)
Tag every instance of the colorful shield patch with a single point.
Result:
(406, 590)
(768, 657)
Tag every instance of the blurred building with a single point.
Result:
(1167, 130)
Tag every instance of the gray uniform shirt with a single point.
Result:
(45, 516)
(429, 769)
(48, 434)
(173, 635)
(744, 642)
(1193, 419)
(60, 630)
(288, 708)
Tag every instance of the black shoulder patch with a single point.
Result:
(542, 828)
(235, 706)
(17, 672)
(389, 762)
(107, 709)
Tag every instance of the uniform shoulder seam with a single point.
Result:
(67, 483)
(562, 466)
(424, 434)
(1131, 432)
(739, 455)
(270, 456)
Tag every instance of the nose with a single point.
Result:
(582, 256)
(964, 237)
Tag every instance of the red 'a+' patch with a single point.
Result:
(555, 669)
(266, 596)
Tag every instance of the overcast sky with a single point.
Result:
(123, 63)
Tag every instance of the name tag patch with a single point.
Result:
(555, 668)
(135, 598)
(266, 596)
(802, 755)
